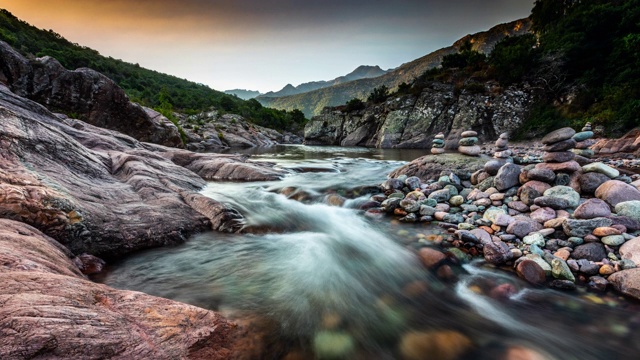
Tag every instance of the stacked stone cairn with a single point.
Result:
(468, 144)
(502, 147)
(556, 223)
(438, 144)
(583, 143)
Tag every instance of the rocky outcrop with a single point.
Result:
(433, 166)
(210, 131)
(105, 193)
(412, 121)
(85, 94)
(50, 310)
(629, 144)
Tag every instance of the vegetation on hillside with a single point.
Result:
(584, 56)
(146, 87)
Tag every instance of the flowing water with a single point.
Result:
(337, 284)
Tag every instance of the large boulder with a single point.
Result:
(91, 96)
(615, 191)
(627, 282)
(432, 166)
(50, 310)
(102, 192)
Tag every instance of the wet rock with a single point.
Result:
(592, 208)
(412, 182)
(333, 344)
(507, 177)
(627, 282)
(393, 184)
(444, 344)
(558, 135)
(563, 285)
(589, 251)
(582, 228)
(589, 182)
(606, 269)
(89, 264)
(598, 283)
(589, 268)
(614, 192)
(440, 195)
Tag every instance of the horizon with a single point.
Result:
(265, 45)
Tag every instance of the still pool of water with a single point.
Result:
(336, 284)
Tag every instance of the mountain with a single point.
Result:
(361, 72)
(243, 94)
(312, 102)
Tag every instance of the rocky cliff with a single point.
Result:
(411, 121)
(82, 93)
(313, 102)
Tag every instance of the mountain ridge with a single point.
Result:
(311, 103)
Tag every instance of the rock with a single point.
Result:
(563, 285)
(558, 156)
(333, 344)
(392, 184)
(589, 182)
(534, 238)
(522, 228)
(582, 228)
(497, 253)
(468, 141)
(89, 94)
(413, 182)
(543, 175)
(501, 143)
(551, 202)
(606, 231)
(37, 271)
(564, 192)
(560, 146)
(627, 222)
(558, 135)
(430, 167)
(613, 240)
(473, 150)
(592, 208)
(456, 200)
(89, 264)
(565, 167)
(602, 169)
(629, 209)
(582, 136)
(614, 192)
(543, 214)
(518, 206)
(492, 166)
(630, 250)
(589, 251)
(492, 213)
(582, 154)
(437, 151)
(442, 344)
(440, 195)
(627, 282)
(528, 195)
(482, 235)
(468, 134)
(507, 177)
(560, 270)
(598, 283)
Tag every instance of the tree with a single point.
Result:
(354, 105)
(513, 57)
(378, 94)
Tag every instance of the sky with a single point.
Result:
(265, 44)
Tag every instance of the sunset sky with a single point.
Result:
(265, 44)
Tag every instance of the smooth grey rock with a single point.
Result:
(558, 135)
(507, 177)
(582, 228)
(589, 251)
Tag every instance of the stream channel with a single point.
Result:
(337, 284)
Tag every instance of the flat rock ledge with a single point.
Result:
(50, 310)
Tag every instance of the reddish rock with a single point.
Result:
(565, 167)
(431, 257)
(631, 250)
(49, 310)
(629, 143)
(605, 231)
(89, 264)
(592, 208)
(615, 191)
(627, 282)
(543, 214)
(531, 272)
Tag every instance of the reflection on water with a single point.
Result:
(342, 286)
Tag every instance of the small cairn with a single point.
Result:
(502, 148)
(438, 144)
(468, 144)
(583, 142)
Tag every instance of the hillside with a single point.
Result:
(165, 93)
(311, 103)
(361, 72)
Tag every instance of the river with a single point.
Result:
(334, 283)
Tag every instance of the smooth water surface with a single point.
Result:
(340, 285)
